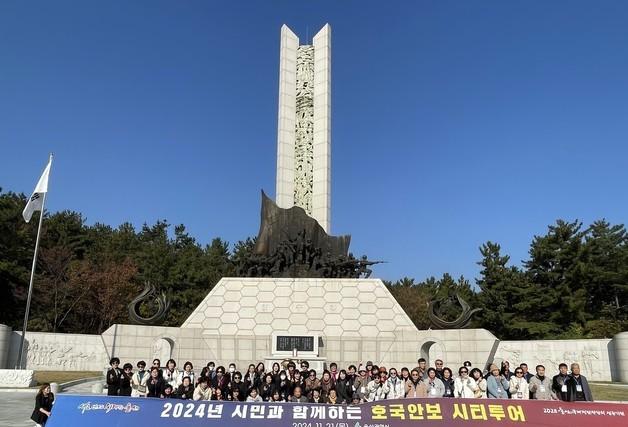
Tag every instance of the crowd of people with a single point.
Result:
(354, 385)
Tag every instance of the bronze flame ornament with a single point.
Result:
(149, 293)
(460, 322)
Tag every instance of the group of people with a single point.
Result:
(366, 383)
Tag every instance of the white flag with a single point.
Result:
(36, 201)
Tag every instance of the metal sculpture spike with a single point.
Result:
(460, 322)
(163, 305)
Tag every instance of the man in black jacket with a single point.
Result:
(559, 382)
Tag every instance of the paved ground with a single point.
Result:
(16, 407)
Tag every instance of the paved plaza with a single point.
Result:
(16, 407)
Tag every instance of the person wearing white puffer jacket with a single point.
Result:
(396, 385)
(519, 386)
(464, 386)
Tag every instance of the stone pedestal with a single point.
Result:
(20, 378)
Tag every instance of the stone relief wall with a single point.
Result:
(592, 355)
(17, 378)
(64, 352)
(304, 132)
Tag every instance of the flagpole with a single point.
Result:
(30, 286)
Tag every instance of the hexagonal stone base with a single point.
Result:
(325, 307)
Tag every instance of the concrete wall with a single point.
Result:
(59, 352)
(593, 355)
(356, 319)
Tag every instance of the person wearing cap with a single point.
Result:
(415, 386)
(138, 381)
(378, 388)
(360, 384)
(496, 385)
(125, 380)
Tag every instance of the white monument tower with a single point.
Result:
(304, 125)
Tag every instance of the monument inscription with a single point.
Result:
(289, 343)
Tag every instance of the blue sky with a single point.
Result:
(453, 122)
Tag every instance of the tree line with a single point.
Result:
(574, 283)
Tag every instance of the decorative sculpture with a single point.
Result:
(460, 322)
(290, 243)
(149, 292)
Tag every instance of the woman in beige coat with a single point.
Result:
(415, 386)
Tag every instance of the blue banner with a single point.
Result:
(110, 411)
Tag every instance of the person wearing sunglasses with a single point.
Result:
(378, 388)
(396, 384)
(311, 383)
(519, 386)
(439, 368)
(237, 383)
(415, 386)
(464, 385)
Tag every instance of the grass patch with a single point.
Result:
(60, 377)
(608, 392)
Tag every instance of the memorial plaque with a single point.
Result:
(288, 343)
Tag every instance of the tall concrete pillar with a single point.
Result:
(620, 347)
(5, 344)
(304, 125)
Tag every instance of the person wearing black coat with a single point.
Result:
(448, 382)
(43, 405)
(267, 388)
(186, 389)
(155, 384)
(559, 383)
(238, 384)
(578, 389)
(221, 380)
(113, 377)
(343, 388)
(125, 380)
